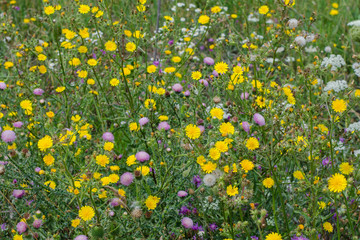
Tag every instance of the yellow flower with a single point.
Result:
(26, 104)
(49, 10)
(130, 47)
(75, 62)
(196, 75)
(60, 89)
(114, 178)
(268, 182)
(222, 146)
(8, 65)
(328, 227)
(357, 93)
(134, 127)
(150, 103)
(18, 237)
(273, 236)
(131, 160)
(84, 33)
(110, 46)
(346, 168)
(75, 222)
(92, 62)
(82, 49)
(192, 131)
(247, 165)
(151, 69)
(82, 74)
(289, 3)
(337, 183)
(176, 59)
(99, 14)
(50, 114)
(75, 118)
(145, 170)
(252, 143)
(86, 213)
(83, 9)
(169, 69)
(263, 9)
(163, 118)
(334, 12)
(214, 153)
(221, 67)
(226, 129)
(217, 113)
(108, 146)
(322, 205)
(50, 184)
(215, 9)
(203, 19)
(299, 175)
(41, 57)
(102, 160)
(209, 167)
(232, 191)
(114, 82)
(339, 105)
(45, 143)
(48, 160)
(151, 202)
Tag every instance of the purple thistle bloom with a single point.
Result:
(182, 194)
(163, 125)
(38, 91)
(204, 82)
(209, 61)
(108, 136)
(81, 237)
(197, 180)
(177, 87)
(212, 227)
(143, 121)
(18, 124)
(142, 156)
(18, 193)
(245, 126)
(8, 136)
(184, 211)
(259, 119)
(2, 85)
(299, 238)
(187, 222)
(126, 179)
(115, 202)
(21, 227)
(37, 223)
(244, 95)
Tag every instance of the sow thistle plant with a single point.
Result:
(179, 120)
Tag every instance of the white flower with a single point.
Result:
(354, 127)
(335, 61)
(356, 67)
(252, 18)
(293, 23)
(209, 180)
(300, 40)
(357, 152)
(327, 49)
(355, 23)
(336, 86)
(310, 49)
